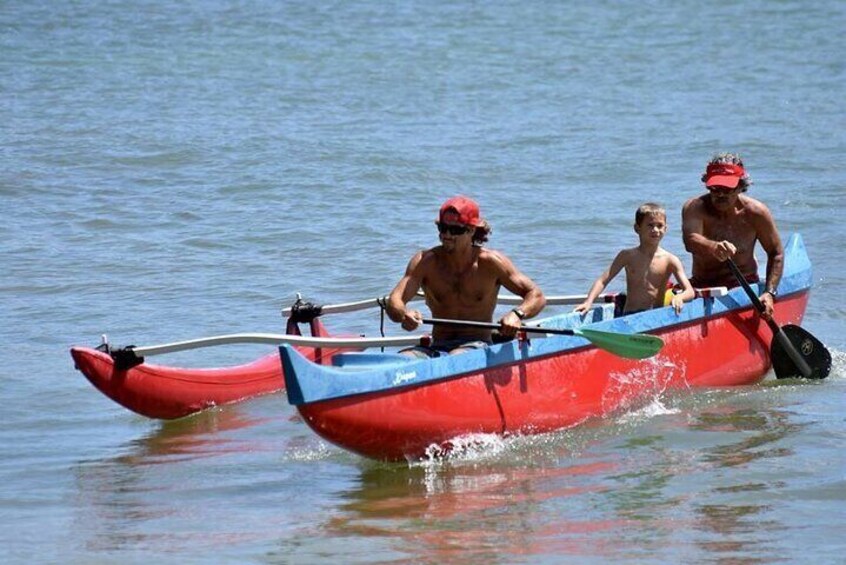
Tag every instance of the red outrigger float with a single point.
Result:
(157, 391)
(397, 408)
(167, 393)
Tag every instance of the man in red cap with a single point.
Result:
(461, 280)
(725, 223)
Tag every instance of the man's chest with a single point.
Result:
(736, 230)
(470, 285)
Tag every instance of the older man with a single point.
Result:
(726, 223)
(461, 280)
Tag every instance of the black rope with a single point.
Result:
(382, 308)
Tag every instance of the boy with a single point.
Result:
(648, 267)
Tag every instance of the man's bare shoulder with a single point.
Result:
(487, 254)
(428, 253)
(754, 206)
(695, 205)
(495, 261)
(425, 258)
(492, 257)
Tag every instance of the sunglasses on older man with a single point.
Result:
(722, 189)
(452, 229)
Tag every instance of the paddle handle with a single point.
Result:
(778, 333)
(493, 326)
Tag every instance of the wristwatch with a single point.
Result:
(519, 313)
(772, 291)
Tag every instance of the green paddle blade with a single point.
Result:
(810, 348)
(631, 346)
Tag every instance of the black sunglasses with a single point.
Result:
(722, 189)
(452, 229)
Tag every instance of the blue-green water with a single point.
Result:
(170, 171)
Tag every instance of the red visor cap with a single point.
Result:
(724, 174)
(460, 210)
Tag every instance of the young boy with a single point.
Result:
(648, 267)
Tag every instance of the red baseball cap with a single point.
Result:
(723, 174)
(462, 210)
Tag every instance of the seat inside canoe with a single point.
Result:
(364, 360)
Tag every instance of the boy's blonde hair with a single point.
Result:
(649, 209)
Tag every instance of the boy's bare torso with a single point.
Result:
(647, 274)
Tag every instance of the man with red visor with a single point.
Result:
(725, 223)
(460, 280)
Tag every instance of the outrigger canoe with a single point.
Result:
(391, 407)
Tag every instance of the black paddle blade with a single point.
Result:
(810, 348)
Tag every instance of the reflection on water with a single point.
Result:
(194, 437)
(737, 520)
(129, 500)
(690, 474)
(732, 519)
(482, 511)
(768, 426)
(629, 489)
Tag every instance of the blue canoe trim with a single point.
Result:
(307, 382)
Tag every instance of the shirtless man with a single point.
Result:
(648, 267)
(725, 223)
(461, 280)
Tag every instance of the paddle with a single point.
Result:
(631, 346)
(794, 352)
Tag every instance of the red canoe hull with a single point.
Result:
(550, 393)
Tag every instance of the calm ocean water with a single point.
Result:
(178, 170)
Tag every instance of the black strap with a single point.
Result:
(304, 312)
(381, 301)
(125, 358)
